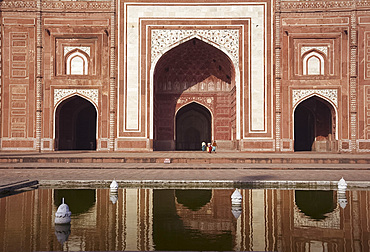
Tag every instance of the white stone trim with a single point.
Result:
(85, 49)
(300, 94)
(60, 94)
(228, 39)
(323, 49)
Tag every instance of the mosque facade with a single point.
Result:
(120, 75)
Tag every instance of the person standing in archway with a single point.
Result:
(204, 146)
(214, 145)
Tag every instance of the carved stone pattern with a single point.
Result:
(85, 49)
(353, 95)
(315, 5)
(331, 94)
(353, 131)
(18, 5)
(367, 112)
(278, 62)
(353, 28)
(277, 94)
(367, 55)
(277, 76)
(228, 39)
(206, 101)
(92, 94)
(89, 5)
(353, 62)
(323, 49)
(112, 75)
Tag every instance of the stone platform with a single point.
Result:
(225, 169)
(177, 158)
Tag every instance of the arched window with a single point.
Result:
(77, 63)
(313, 64)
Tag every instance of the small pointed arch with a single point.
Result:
(315, 124)
(313, 63)
(193, 126)
(75, 124)
(77, 62)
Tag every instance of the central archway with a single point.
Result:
(193, 126)
(197, 73)
(75, 125)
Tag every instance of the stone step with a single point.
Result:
(189, 160)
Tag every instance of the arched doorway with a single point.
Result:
(193, 126)
(314, 125)
(75, 125)
(194, 71)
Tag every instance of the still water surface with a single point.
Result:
(177, 219)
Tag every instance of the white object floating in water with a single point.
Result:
(63, 215)
(342, 185)
(114, 186)
(236, 198)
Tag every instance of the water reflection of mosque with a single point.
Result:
(147, 219)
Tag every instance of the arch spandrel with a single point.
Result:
(300, 95)
(225, 40)
(90, 94)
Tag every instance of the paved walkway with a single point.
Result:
(59, 174)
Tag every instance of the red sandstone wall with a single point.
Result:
(33, 67)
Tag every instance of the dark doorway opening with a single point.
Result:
(75, 125)
(313, 125)
(193, 126)
(315, 204)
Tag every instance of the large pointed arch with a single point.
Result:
(236, 79)
(192, 71)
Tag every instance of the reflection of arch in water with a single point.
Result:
(79, 200)
(315, 204)
(193, 199)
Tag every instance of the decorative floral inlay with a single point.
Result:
(85, 49)
(323, 49)
(331, 94)
(92, 94)
(227, 39)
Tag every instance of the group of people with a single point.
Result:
(209, 147)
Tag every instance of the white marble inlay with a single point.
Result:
(255, 12)
(330, 94)
(92, 94)
(85, 49)
(228, 39)
(323, 49)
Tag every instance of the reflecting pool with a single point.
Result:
(187, 219)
